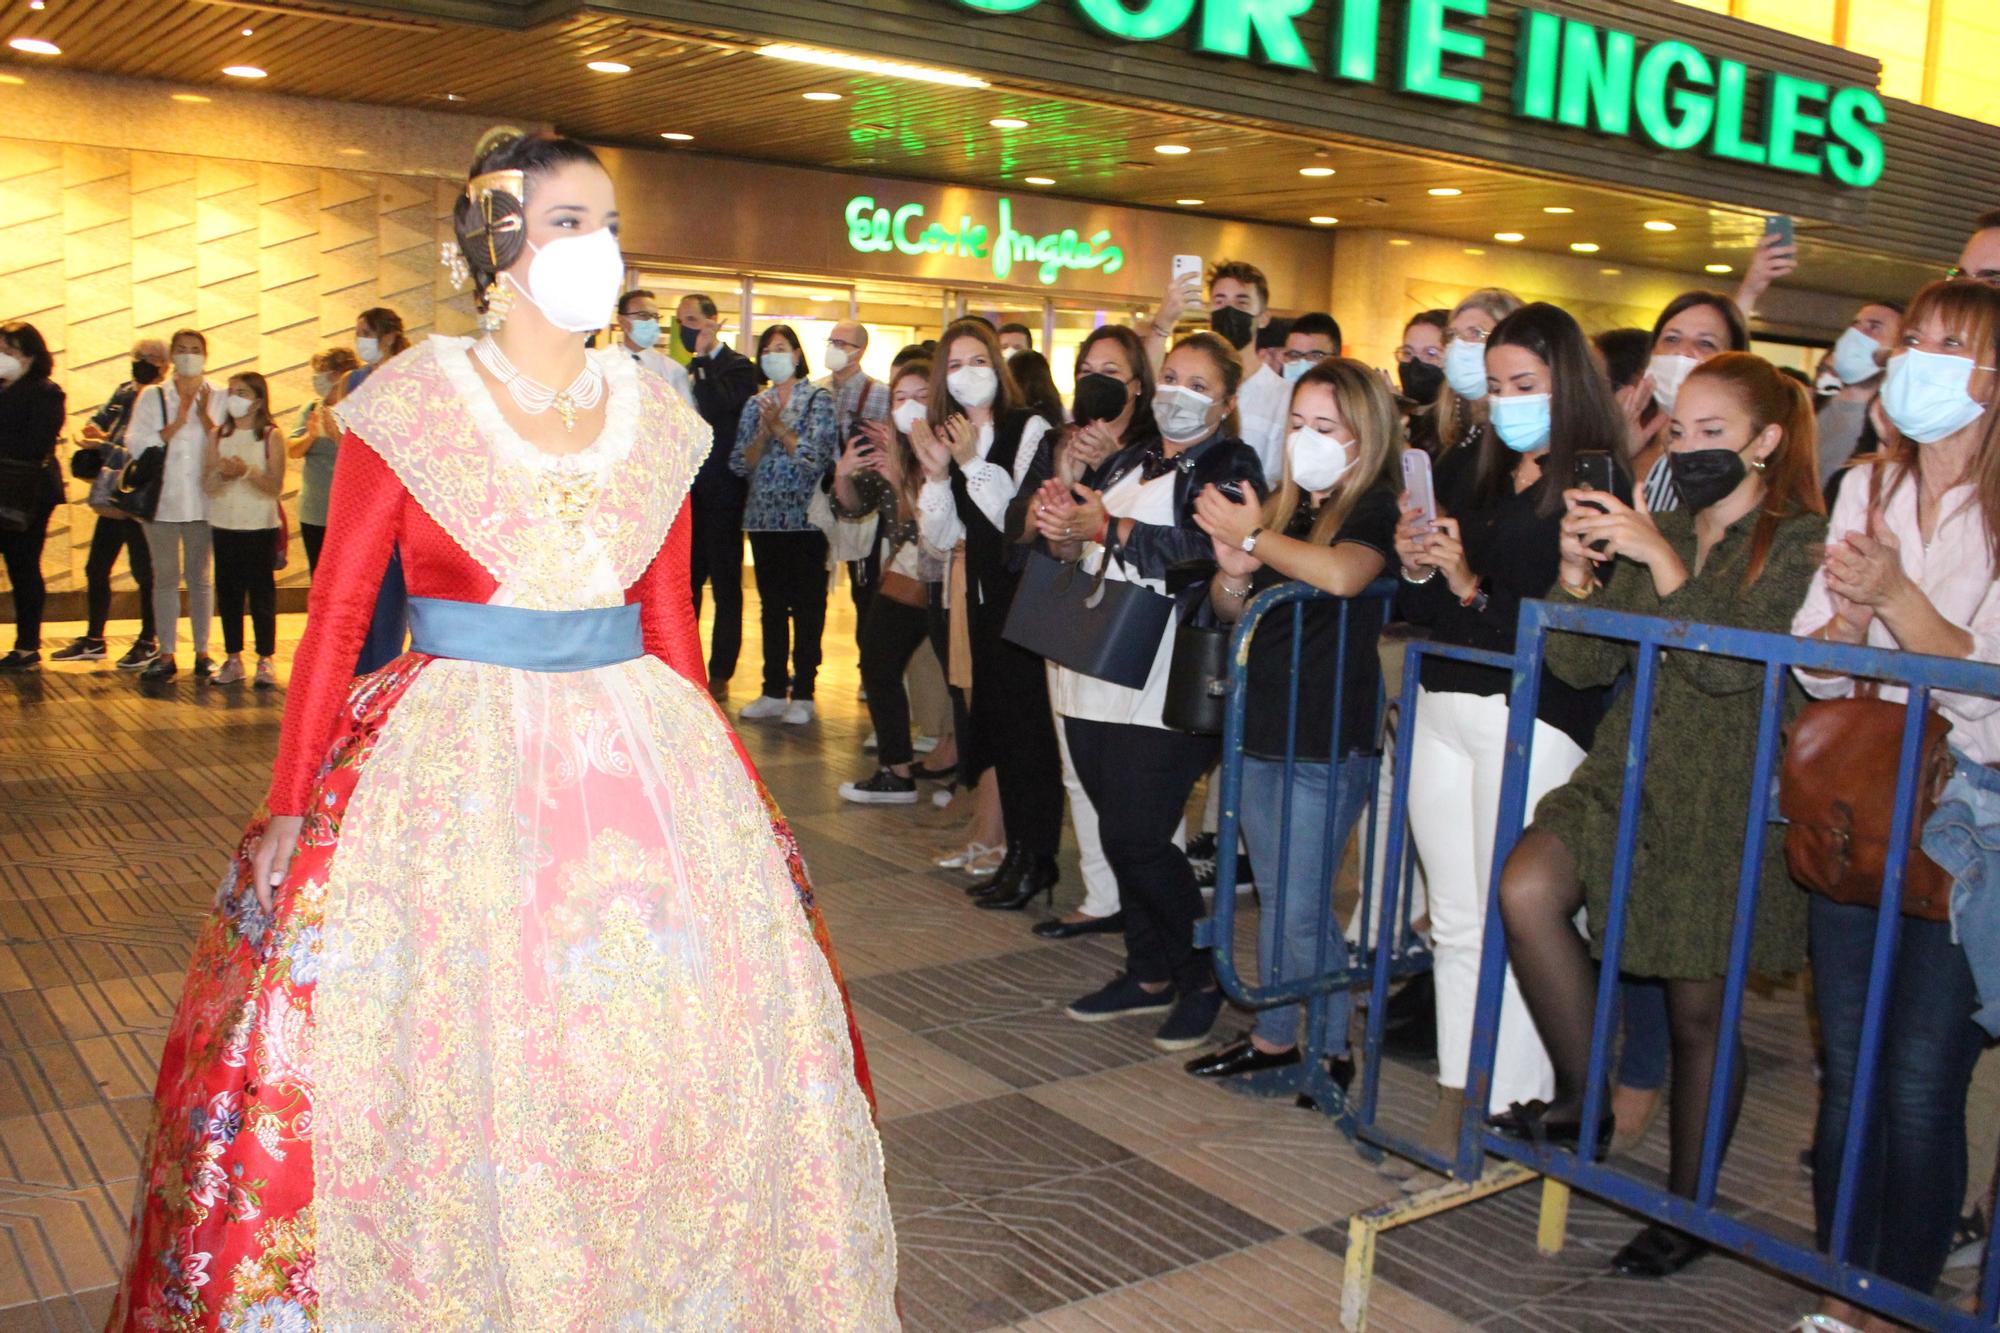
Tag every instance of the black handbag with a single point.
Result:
(1198, 681)
(1101, 627)
(136, 492)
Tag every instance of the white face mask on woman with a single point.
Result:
(908, 413)
(11, 367)
(1317, 460)
(973, 386)
(240, 405)
(369, 349)
(189, 364)
(573, 280)
(1465, 368)
(1669, 373)
(1926, 394)
(1182, 413)
(778, 366)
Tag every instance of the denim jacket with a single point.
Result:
(1963, 837)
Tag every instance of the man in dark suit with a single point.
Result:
(723, 380)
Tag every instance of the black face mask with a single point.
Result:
(1421, 380)
(144, 372)
(1238, 326)
(688, 336)
(1705, 476)
(1098, 398)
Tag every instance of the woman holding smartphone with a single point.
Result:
(1496, 542)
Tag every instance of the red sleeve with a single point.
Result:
(665, 596)
(364, 515)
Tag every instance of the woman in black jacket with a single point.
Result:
(1138, 509)
(31, 485)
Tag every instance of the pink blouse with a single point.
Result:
(1954, 569)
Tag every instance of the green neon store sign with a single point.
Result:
(873, 229)
(1568, 72)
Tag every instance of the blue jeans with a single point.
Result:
(390, 624)
(1963, 837)
(1305, 884)
(1912, 1173)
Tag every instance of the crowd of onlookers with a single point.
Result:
(1060, 564)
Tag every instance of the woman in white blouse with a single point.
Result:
(177, 416)
(244, 476)
(1910, 564)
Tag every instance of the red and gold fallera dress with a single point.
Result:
(538, 1035)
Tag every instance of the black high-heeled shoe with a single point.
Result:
(1039, 877)
(1006, 875)
(1529, 1122)
(1658, 1252)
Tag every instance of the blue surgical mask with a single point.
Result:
(779, 366)
(1854, 357)
(1296, 371)
(1465, 368)
(1522, 421)
(645, 332)
(1925, 394)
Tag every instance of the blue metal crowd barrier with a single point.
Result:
(1778, 655)
(1335, 968)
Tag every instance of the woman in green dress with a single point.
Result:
(1740, 552)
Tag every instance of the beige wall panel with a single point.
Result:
(290, 262)
(96, 203)
(29, 245)
(284, 308)
(97, 295)
(341, 187)
(163, 207)
(34, 196)
(101, 250)
(231, 213)
(294, 217)
(36, 293)
(19, 159)
(168, 253)
(83, 164)
(159, 305)
(226, 258)
(406, 230)
(276, 182)
(221, 175)
(343, 224)
(395, 193)
(153, 171)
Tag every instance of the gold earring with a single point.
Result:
(1757, 464)
(499, 304)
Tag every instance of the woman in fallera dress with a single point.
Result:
(516, 1014)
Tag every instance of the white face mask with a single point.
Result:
(1828, 382)
(1182, 413)
(778, 366)
(908, 413)
(1465, 368)
(573, 280)
(240, 405)
(322, 384)
(368, 349)
(1317, 460)
(189, 364)
(11, 367)
(1008, 353)
(1854, 357)
(1669, 373)
(836, 358)
(973, 386)
(1925, 395)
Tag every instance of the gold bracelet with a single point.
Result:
(1581, 594)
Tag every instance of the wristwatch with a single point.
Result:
(1249, 543)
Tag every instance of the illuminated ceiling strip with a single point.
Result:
(890, 69)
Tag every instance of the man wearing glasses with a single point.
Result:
(1981, 259)
(1311, 339)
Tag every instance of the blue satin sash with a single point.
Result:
(513, 636)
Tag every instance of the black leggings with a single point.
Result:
(791, 596)
(314, 536)
(890, 635)
(22, 553)
(111, 536)
(1016, 732)
(243, 573)
(1139, 779)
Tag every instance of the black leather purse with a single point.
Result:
(1198, 681)
(1102, 627)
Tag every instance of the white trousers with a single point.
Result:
(1459, 748)
(1100, 885)
(182, 549)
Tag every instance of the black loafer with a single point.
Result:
(1239, 1057)
(1058, 929)
(1658, 1252)
(1528, 1121)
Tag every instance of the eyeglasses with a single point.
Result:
(1430, 355)
(1470, 335)
(843, 345)
(1293, 354)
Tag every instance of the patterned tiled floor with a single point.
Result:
(1045, 1175)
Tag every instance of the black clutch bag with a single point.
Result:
(137, 492)
(1102, 627)
(1198, 681)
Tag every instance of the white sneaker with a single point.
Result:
(871, 745)
(764, 705)
(799, 712)
(924, 744)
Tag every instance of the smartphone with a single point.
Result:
(1187, 266)
(1232, 489)
(1417, 482)
(1593, 472)
(1781, 227)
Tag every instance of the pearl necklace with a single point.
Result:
(534, 397)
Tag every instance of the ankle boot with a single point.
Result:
(1441, 1134)
(1039, 877)
(1007, 878)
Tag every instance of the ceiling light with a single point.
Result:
(1474, 250)
(13, 80)
(822, 97)
(1039, 180)
(454, 97)
(1611, 272)
(1315, 171)
(243, 71)
(1716, 268)
(1172, 149)
(1558, 210)
(1190, 203)
(1657, 224)
(1444, 192)
(1322, 220)
(1510, 237)
(189, 97)
(249, 32)
(35, 46)
(1584, 247)
(38, 4)
(894, 69)
(1008, 123)
(609, 67)
(676, 136)
(1398, 240)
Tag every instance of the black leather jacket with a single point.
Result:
(1182, 555)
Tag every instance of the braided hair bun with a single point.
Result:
(490, 218)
